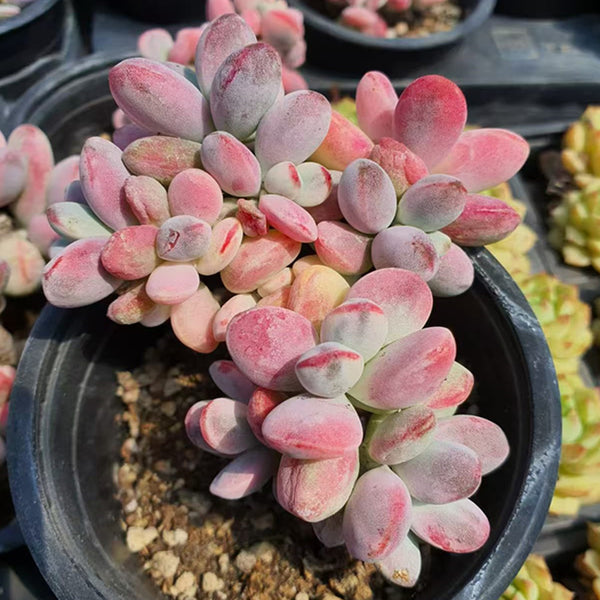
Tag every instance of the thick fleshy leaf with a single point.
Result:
(184, 49)
(276, 282)
(376, 100)
(74, 193)
(329, 209)
(222, 37)
(224, 427)
(261, 403)
(343, 248)
(195, 193)
(407, 371)
(231, 381)
(364, 20)
(292, 129)
(218, 8)
(130, 307)
(404, 297)
(283, 178)
(233, 166)
(359, 324)
(192, 427)
(309, 427)
(183, 238)
(161, 157)
(225, 242)
(316, 184)
(329, 369)
(129, 253)
(257, 260)
(484, 158)
(483, 221)
(102, 176)
(158, 315)
(432, 202)
(75, 221)
(278, 299)
(403, 566)
(235, 305)
(155, 44)
(316, 292)
(13, 175)
(361, 183)
(288, 218)
(63, 174)
(253, 220)
(32, 143)
(246, 474)
(292, 80)
(373, 529)
(40, 234)
(329, 531)
(454, 390)
(457, 527)
(192, 321)
(403, 167)
(244, 88)
(128, 134)
(314, 490)
(403, 435)
(172, 283)
(283, 28)
(266, 342)
(159, 99)
(147, 199)
(444, 472)
(25, 263)
(454, 275)
(344, 143)
(485, 438)
(407, 248)
(76, 277)
(429, 117)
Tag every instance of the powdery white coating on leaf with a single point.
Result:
(253, 220)
(432, 202)
(407, 371)
(454, 390)
(485, 438)
(444, 472)
(288, 218)
(483, 221)
(235, 305)
(407, 248)
(343, 143)
(225, 242)
(172, 283)
(158, 315)
(283, 178)
(484, 158)
(283, 28)
(359, 324)
(404, 297)
(314, 490)
(244, 88)
(194, 192)
(329, 209)
(158, 99)
(276, 282)
(366, 196)
(329, 369)
(403, 566)
(13, 175)
(316, 184)
(246, 474)
(231, 381)
(224, 427)
(455, 274)
(221, 38)
(76, 277)
(402, 435)
(183, 238)
(130, 253)
(441, 242)
(292, 129)
(65, 172)
(376, 100)
(429, 117)
(192, 320)
(329, 531)
(161, 157)
(147, 199)
(261, 403)
(32, 143)
(458, 527)
(75, 221)
(130, 307)
(279, 298)
(266, 342)
(24, 263)
(377, 516)
(317, 291)
(233, 166)
(257, 260)
(192, 427)
(155, 44)
(343, 248)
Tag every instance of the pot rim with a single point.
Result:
(31, 13)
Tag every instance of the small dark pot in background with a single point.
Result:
(546, 9)
(160, 11)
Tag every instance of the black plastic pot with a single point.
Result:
(338, 48)
(63, 443)
(546, 9)
(160, 11)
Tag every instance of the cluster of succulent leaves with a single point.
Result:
(534, 582)
(272, 21)
(12, 8)
(588, 564)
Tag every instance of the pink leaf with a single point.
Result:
(130, 307)
(183, 238)
(454, 275)
(147, 199)
(261, 403)
(155, 44)
(172, 283)
(376, 100)
(129, 253)
(454, 390)
(288, 218)
(343, 248)
(225, 242)
(235, 305)
(403, 566)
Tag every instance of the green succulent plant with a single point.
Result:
(588, 564)
(581, 147)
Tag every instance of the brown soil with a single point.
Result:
(195, 545)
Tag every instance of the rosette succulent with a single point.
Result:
(581, 147)
(534, 582)
(352, 414)
(588, 564)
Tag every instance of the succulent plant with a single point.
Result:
(588, 564)
(272, 21)
(581, 148)
(534, 582)
(348, 403)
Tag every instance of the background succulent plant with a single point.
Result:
(588, 564)
(534, 582)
